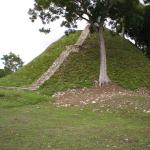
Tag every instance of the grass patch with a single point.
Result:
(36, 126)
(46, 127)
(127, 66)
(39, 65)
(12, 98)
(126, 105)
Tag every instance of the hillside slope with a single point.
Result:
(127, 66)
(32, 71)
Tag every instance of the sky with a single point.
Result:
(22, 37)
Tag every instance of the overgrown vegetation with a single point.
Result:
(3, 73)
(12, 62)
(127, 66)
(39, 65)
(29, 120)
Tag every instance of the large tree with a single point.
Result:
(95, 12)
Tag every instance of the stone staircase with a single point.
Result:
(59, 61)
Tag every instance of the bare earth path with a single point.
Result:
(105, 95)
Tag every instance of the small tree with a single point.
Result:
(11, 62)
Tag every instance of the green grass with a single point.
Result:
(43, 126)
(12, 98)
(127, 66)
(29, 120)
(39, 65)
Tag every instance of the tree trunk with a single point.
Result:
(103, 77)
(123, 28)
(122, 32)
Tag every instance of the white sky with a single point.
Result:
(19, 35)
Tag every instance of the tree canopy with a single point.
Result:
(138, 28)
(2, 73)
(146, 1)
(11, 62)
(125, 13)
(73, 10)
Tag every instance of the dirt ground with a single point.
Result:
(94, 95)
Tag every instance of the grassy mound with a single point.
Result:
(44, 126)
(127, 66)
(39, 65)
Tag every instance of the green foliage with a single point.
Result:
(4, 72)
(146, 1)
(126, 66)
(11, 62)
(137, 27)
(39, 65)
(72, 11)
(128, 14)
